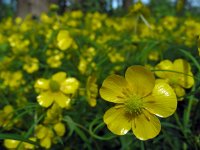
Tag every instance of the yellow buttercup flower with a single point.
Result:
(57, 89)
(64, 40)
(45, 135)
(12, 79)
(139, 99)
(6, 116)
(182, 77)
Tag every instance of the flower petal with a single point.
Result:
(112, 89)
(183, 66)
(146, 126)
(117, 120)
(59, 77)
(141, 79)
(42, 84)
(62, 100)
(162, 102)
(45, 99)
(164, 65)
(69, 85)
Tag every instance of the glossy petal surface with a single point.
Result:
(112, 89)
(141, 80)
(45, 99)
(162, 102)
(69, 86)
(117, 120)
(59, 77)
(42, 84)
(146, 126)
(61, 99)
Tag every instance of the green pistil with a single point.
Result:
(134, 105)
(54, 85)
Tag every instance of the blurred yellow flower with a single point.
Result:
(53, 114)
(169, 22)
(139, 100)
(154, 56)
(181, 78)
(13, 144)
(5, 117)
(45, 135)
(12, 79)
(59, 128)
(31, 64)
(92, 90)
(64, 40)
(57, 89)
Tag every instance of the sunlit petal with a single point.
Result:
(59, 77)
(45, 99)
(141, 79)
(162, 101)
(42, 84)
(117, 120)
(162, 66)
(62, 100)
(146, 126)
(186, 79)
(113, 89)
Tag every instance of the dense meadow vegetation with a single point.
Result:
(61, 75)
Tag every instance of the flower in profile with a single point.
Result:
(139, 99)
(182, 77)
(45, 135)
(6, 116)
(92, 90)
(57, 89)
(14, 144)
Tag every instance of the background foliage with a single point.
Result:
(104, 41)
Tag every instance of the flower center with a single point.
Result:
(54, 86)
(134, 105)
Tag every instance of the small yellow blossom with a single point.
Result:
(182, 77)
(64, 40)
(57, 89)
(5, 117)
(92, 90)
(11, 144)
(82, 65)
(59, 128)
(169, 22)
(154, 56)
(139, 99)
(12, 79)
(53, 114)
(45, 135)
(31, 64)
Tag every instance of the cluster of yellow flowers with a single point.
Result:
(57, 63)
